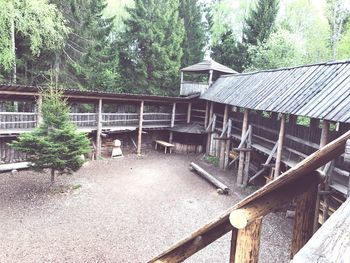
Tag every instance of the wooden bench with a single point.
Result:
(166, 145)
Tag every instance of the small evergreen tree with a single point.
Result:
(55, 144)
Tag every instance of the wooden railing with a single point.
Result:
(28, 120)
(18, 120)
(244, 219)
(189, 88)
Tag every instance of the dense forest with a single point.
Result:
(138, 46)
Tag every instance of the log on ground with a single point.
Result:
(209, 177)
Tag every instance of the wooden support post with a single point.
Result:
(280, 146)
(211, 111)
(228, 144)
(189, 109)
(172, 124)
(210, 80)
(304, 218)
(242, 154)
(99, 130)
(323, 141)
(139, 138)
(206, 114)
(247, 157)
(234, 233)
(248, 242)
(181, 82)
(39, 104)
(223, 143)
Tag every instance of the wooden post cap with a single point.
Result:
(238, 218)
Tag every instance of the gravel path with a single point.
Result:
(123, 210)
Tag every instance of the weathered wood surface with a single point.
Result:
(99, 129)
(331, 243)
(240, 218)
(280, 146)
(304, 218)
(242, 154)
(13, 166)
(223, 143)
(248, 242)
(209, 177)
(221, 224)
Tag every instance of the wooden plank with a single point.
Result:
(139, 137)
(223, 143)
(247, 157)
(233, 245)
(331, 242)
(221, 225)
(206, 114)
(173, 114)
(228, 143)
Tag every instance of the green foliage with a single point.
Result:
(260, 22)
(195, 37)
(55, 144)
(36, 25)
(280, 50)
(151, 52)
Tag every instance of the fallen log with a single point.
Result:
(210, 178)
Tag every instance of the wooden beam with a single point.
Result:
(173, 114)
(189, 108)
(206, 114)
(242, 154)
(240, 218)
(221, 224)
(248, 243)
(181, 81)
(223, 143)
(280, 146)
(268, 160)
(304, 218)
(139, 138)
(99, 129)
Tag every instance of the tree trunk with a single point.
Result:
(52, 176)
(13, 47)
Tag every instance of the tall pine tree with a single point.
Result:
(257, 28)
(150, 55)
(191, 11)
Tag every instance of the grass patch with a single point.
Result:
(211, 159)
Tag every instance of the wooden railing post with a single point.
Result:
(99, 130)
(304, 218)
(248, 243)
(139, 137)
(172, 124)
(233, 244)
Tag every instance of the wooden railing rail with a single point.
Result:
(301, 177)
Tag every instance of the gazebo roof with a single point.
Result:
(206, 65)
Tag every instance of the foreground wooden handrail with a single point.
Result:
(221, 225)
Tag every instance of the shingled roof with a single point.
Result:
(207, 65)
(319, 91)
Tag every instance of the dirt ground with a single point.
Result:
(121, 210)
